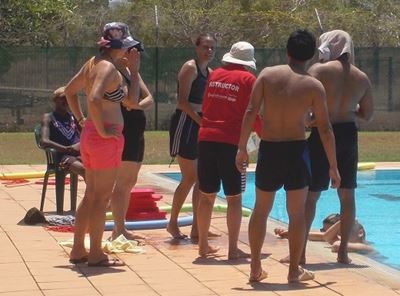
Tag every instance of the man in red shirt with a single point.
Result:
(225, 101)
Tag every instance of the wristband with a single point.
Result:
(81, 120)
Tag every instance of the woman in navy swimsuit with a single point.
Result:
(184, 127)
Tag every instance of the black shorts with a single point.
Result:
(346, 139)
(216, 163)
(283, 164)
(134, 127)
(183, 133)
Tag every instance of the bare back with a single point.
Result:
(287, 96)
(348, 90)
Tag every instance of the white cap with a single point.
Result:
(241, 53)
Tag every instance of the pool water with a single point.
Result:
(377, 208)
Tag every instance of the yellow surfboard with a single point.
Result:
(22, 175)
(363, 166)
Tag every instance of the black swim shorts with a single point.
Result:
(346, 139)
(216, 164)
(134, 127)
(283, 164)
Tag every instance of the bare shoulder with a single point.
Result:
(104, 65)
(189, 67)
(360, 74)
(314, 86)
(188, 72)
(319, 87)
(319, 69)
(274, 71)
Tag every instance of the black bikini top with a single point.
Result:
(117, 95)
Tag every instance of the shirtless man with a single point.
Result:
(348, 92)
(287, 92)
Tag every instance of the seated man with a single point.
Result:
(61, 131)
(330, 233)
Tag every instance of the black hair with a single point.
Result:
(202, 36)
(301, 45)
(331, 219)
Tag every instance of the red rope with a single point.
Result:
(16, 182)
(61, 228)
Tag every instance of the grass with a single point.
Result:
(20, 148)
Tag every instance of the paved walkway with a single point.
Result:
(33, 263)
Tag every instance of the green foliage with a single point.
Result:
(31, 22)
(266, 23)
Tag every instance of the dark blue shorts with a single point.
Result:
(283, 164)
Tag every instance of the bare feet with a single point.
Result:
(195, 237)
(213, 234)
(208, 251)
(237, 254)
(343, 258)
(107, 262)
(175, 232)
(83, 259)
(301, 276)
(76, 257)
(282, 233)
(287, 260)
(258, 277)
(129, 236)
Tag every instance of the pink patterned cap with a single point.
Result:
(116, 35)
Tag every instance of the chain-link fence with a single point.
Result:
(28, 75)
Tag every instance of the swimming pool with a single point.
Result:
(378, 209)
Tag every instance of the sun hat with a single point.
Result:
(116, 35)
(241, 53)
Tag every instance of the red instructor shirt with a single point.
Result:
(225, 101)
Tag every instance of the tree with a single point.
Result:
(265, 23)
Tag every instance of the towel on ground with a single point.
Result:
(119, 245)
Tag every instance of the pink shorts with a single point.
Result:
(98, 152)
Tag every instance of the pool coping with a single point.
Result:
(37, 265)
(379, 272)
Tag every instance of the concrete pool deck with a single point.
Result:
(32, 262)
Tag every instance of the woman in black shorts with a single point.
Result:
(132, 157)
(184, 127)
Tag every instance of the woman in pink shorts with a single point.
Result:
(107, 80)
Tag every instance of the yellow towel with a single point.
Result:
(119, 245)
(335, 43)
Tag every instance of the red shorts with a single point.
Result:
(98, 152)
